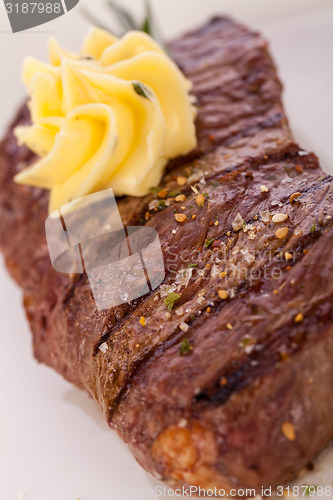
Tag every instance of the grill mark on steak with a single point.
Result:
(315, 327)
(245, 372)
(289, 155)
(251, 367)
(241, 288)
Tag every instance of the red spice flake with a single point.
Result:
(254, 89)
(299, 318)
(200, 200)
(288, 268)
(163, 193)
(288, 256)
(180, 217)
(181, 181)
(230, 176)
(288, 431)
(211, 137)
(284, 356)
(211, 223)
(142, 321)
(223, 294)
(223, 381)
(281, 233)
(299, 169)
(294, 196)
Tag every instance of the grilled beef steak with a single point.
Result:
(231, 388)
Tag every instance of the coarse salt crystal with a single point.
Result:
(238, 222)
(183, 326)
(265, 215)
(103, 347)
(182, 422)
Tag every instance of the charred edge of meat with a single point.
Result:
(244, 371)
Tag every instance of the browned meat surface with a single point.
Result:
(250, 403)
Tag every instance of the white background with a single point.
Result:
(54, 444)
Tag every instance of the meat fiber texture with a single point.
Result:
(250, 403)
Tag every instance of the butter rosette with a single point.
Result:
(110, 117)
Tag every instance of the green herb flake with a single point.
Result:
(313, 228)
(171, 299)
(310, 490)
(190, 266)
(185, 347)
(126, 21)
(208, 242)
(155, 189)
(205, 195)
(149, 25)
(161, 205)
(140, 89)
(173, 194)
(146, 26)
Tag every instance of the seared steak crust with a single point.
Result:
(258, 359)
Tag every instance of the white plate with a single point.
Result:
(54, 444)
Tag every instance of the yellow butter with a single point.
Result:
(112, 116)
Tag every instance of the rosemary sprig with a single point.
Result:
(125, 18)
(94, 20)
(150, 26)
(127, 21)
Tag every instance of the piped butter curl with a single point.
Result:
(109, 117)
